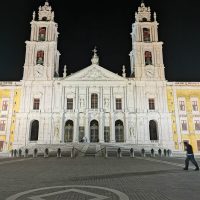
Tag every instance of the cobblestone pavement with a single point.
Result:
(88, 178)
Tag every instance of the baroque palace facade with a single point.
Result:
(95, 104)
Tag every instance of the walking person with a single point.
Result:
(190, 157)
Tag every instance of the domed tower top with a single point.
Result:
(143, 14)
(45, 12)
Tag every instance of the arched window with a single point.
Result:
(44, 19)
(69, 130)
(42, 34)
(40, 57)
(119, 131)
(148, 58)
(144, 19)
(94, 101)
(146, 35)
(153, 130)
(94, 131)
(34, 130)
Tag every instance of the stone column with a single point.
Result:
(126, 128)
(112, 125)
(76, 128)
(101, 127)
(41, 131)
(87, 131)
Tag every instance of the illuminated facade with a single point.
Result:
(95, 104)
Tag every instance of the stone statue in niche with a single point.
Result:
(131, 131)
(57, 129)
(82, 103)
(106, 102)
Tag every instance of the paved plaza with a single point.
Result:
(89, 178)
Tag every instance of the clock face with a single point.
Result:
(38, 71)
(149, 72)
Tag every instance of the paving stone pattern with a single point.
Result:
(138, 178)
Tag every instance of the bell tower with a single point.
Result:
(42, 56)
(146, 55)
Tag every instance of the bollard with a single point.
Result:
(59, 153)
(15, 153)
(106, 152)
(46, 153)
(119, 153)
(152, 153)
(160, 152)
(165, 152)
(12, 153)
(132, 153)
(73, 153)
(35, 152)
(20, 153)
(143, 152)
(26, 153)
(169, 153)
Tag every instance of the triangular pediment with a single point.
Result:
(94, 73)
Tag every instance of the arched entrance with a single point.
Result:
(119, 131)
(34, 130)
(153, 130)
(69, 131)
(94, 131)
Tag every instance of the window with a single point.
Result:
(146, 35)
(184, 125)
(182, 105)
(2, 125)
(144, 19)
(118, 103)
(197, 125)
(36, 104)
(194, 105)
(40, 58)
(198, 145)
(5, 105)
(42, 34)
(151, 104)
(94, 101)
(69, 104)
(148, 58)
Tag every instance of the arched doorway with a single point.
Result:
(119, 131)
(69, 131)
(34, 130)
(94, 131)
(153, 130)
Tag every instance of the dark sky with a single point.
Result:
(106, 24)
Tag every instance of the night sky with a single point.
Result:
(106, 24)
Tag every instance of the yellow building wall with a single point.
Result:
(4, 93)
(187, 94)
(171, 107)
(13, 95)
(15, 109)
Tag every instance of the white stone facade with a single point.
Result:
(93, 102)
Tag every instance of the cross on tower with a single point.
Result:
(94, 50)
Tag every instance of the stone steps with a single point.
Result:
(93, 149)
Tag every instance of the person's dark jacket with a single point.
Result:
(189, 149)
